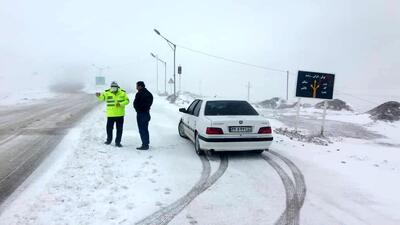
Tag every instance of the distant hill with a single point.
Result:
(388, 111)
(276, 103)
(271, 103)
(335, 104)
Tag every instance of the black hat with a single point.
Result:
(114, 84)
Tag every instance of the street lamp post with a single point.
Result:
(156, 57)
(173, 46)
(165, 75)
(165, 71)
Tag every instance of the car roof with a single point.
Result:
(219, 99)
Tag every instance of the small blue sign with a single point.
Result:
(100, 81)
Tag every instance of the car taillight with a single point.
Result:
(214, 130)
(265, 130)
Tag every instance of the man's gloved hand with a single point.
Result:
(118, 105)
(97, 94)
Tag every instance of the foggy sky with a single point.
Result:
(45, 41)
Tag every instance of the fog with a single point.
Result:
(44, 43)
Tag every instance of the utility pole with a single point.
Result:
(180, 84)
(174, 48)
(165, 77)
(287, 85)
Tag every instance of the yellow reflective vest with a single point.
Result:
(111, 99)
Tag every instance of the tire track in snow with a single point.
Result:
(165, 215)
(298, 177)
(295, 190)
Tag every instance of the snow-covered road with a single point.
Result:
(86, 182)
(29, 132)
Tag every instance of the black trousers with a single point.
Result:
(110, 126)
(143, 119)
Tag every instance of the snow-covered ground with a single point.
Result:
(34, 95)
(351, 181)
(27, 96)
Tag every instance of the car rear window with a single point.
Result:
(229, 108)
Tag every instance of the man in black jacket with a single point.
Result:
(142, 104)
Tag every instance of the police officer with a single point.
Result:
(142, 104)
(116, 100)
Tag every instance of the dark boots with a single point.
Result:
(143, 147)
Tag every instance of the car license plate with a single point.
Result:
(241, 129)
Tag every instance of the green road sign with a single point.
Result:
(100, 80)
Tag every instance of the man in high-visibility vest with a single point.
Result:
(116, 100)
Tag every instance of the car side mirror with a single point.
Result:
(182, 110)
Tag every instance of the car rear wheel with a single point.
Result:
(197, 147)
(181, 130)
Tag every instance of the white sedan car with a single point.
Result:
(225, 125)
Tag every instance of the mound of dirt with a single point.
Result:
(286, 105)
(275, 103)
(306, 105)
(292, 134)
(270, 103)
(335, 104)
(172, 98)
(388, 111)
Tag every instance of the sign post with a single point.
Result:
(323, 117)
(297, 113)
(315, 85)
(171, 82)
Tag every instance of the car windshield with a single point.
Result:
(229, 108)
